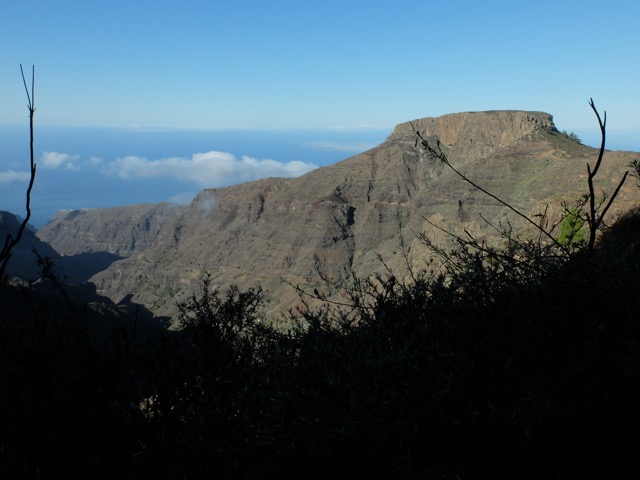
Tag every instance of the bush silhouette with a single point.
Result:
(519, 361)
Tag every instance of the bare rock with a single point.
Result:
(340, 220)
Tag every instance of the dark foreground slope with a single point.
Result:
(491, 372)
(519, 361)
(337, 220)
(23, 262)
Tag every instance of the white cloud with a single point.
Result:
(207, 169)
(58, 160)
(13, 176)
(205, 202)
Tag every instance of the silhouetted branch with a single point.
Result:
(11, 241)
(593, 218)
(442, 156)
(635, 165)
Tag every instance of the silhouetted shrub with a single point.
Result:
(518, 361)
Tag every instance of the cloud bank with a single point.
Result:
(10, 176)
(212, 168)
(59, 160)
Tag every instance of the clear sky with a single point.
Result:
(177, 79)
(298, 63)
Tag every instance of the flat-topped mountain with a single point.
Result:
(341, 219)
(478, 133)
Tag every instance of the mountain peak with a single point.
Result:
(449, 128)
(483, 132)
(340, 220)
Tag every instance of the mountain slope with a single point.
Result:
(336, 220)
(23, 262)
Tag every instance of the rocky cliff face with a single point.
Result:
(478, 134)
(118, 230)
(339, 220)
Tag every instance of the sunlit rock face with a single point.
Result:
(345, 218)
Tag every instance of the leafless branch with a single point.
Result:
(442, 156)
(11, 241)
(594, 218)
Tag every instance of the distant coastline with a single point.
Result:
(81, 182)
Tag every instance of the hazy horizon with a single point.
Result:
(151, 100)
(104, 167)
(252, 64)
(88, 167)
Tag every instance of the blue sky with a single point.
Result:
(345, 72)
(284, 63)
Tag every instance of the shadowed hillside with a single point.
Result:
(336, 220)
(520, 362)
(517, 358)
(23, 262)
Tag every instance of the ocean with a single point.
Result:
(103, 167)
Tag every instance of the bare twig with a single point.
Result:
(11, 241)
(442, 156)
(595, 214)
(594, 218)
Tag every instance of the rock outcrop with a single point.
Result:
(341, 219)
(478, 134)
(118, 230)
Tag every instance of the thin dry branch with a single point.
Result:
(11, 241)
(442, 157)
(594, 218)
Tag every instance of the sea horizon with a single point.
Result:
(98, 167)
(101, 167)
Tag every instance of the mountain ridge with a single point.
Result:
(339, 220)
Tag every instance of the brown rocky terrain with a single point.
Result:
(119, 230)
(340, 219)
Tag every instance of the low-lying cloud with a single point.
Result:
(212, 168)
(60, 160)
(10, 176)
